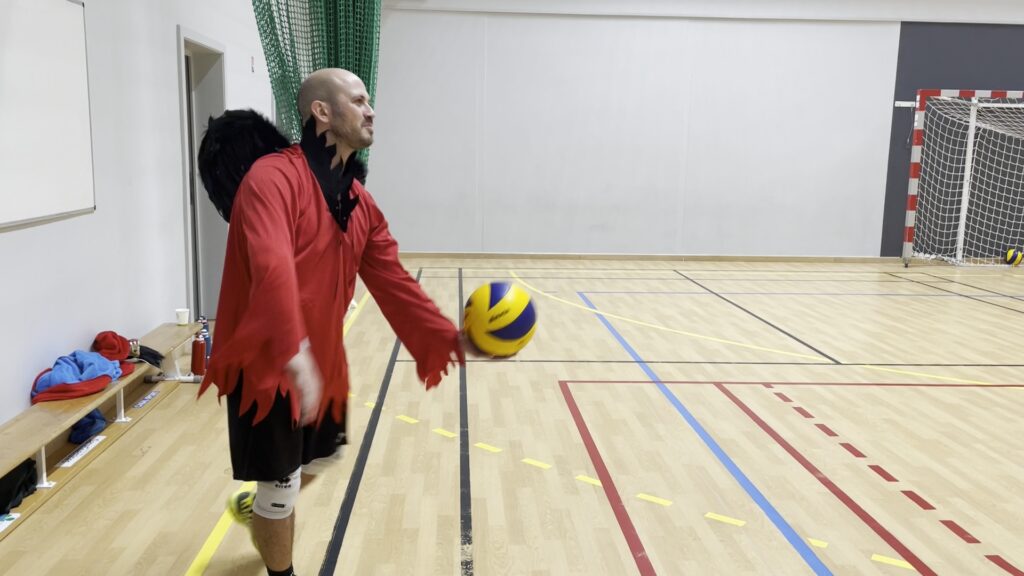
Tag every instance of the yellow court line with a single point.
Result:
(213, 541)
(733, 342)
(891, 561)
(202, 559)
(407, 419)
(589, 480)
(817, 543)
(927, 375)
(488, 447)
(537, 463)
(654, 499)
(725, 519)
(370, 404)
(444, 433)
(659, 327)
(355, 313)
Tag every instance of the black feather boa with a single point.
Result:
(236, 139)
(335, 182)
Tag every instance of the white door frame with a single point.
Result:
(188, 36)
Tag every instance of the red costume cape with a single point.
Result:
(289, 274)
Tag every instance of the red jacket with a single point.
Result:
(289, 274)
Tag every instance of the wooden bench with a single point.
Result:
(29, 434)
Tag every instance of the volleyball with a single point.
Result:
(500, 318)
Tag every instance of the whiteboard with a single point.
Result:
(46, 168)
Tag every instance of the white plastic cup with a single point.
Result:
(182, 314)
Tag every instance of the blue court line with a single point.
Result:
(787, 531)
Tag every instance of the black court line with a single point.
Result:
(506, 361)
(805, 344)
(718, 270)
(880, 294)
(511, 279)
(348, 503)
(801, 280)
(673, 279)
(968, 296)
(978, 288)
(724, 293)
(738, 363)
(465, 490)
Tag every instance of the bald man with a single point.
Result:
(302, 228)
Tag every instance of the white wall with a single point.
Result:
(122, 268)
(510, 132)
(980, 11)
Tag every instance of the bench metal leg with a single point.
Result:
(120, 408)
(41, 470)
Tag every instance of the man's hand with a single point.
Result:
(308, 382)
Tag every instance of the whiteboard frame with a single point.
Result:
(39, 220)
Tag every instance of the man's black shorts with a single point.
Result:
(273, 448)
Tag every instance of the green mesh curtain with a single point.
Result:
(300, 36)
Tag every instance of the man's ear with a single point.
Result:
(320, 111)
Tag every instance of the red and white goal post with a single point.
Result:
(965, 203)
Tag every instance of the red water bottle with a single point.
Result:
(198, 356)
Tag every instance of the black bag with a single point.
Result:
(16, 485)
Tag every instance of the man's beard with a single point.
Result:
(355, 139)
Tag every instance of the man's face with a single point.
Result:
(351, 117)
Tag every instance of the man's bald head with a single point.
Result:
(325, 85)
(339, 102)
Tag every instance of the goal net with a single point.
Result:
(970, 188)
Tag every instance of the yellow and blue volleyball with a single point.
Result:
(1014, 256)
(500, 318)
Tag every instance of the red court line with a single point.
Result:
(1002, 563)
(643, 563)
(803, 412)
(832, 487)
(924, 504)
(852, 449)
(783, 397)
(883, 473)
(828, 431)
(953, 527)
(773, 384)
(960, 531)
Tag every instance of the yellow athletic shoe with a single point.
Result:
(240, 506)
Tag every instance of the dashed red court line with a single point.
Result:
(960, 531)
(1002, 563)
(924, 504)
(852, 450)
(828, 431)
(883, 473)
(953, 527)
(864, 516)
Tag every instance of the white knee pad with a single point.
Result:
(276, 500)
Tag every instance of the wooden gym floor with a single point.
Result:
(719, 418)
